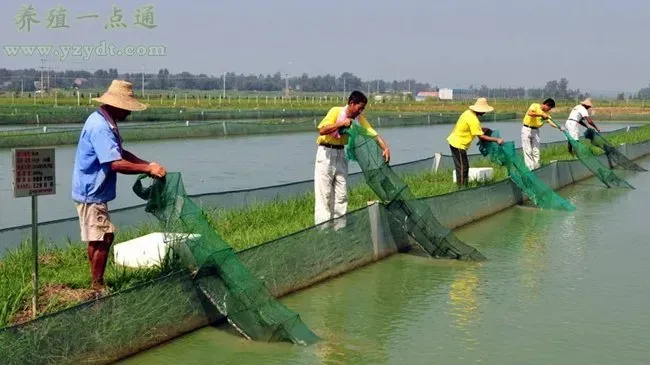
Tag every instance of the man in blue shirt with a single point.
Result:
(99, 158)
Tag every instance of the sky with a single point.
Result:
(598, 45)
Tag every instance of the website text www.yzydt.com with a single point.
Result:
(84, 51)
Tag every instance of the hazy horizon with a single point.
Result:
(594, 45)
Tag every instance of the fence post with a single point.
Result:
(381, 247)
(437, 157)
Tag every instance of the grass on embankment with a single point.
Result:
(64, 108)
(247, 227)
(64, 277)
(65, 273)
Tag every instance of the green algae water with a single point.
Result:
(558, 287)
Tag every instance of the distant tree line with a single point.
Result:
(643, 94)
(557, 89)
(28, 80)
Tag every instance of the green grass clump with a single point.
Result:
(64, 268)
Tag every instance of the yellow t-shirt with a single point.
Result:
(467, 127)
(534, 121)
(336, 113)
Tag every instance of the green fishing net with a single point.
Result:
(604, 174)
(414, 215)
(222, 280)
(613, 155)
(538, 192)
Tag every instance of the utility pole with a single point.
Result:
(22, 86)
(286, 78)
(286, 84)
(344, 88)
(42, 68)
(224, 86)
(143, 80)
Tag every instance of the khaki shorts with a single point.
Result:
(94, 221)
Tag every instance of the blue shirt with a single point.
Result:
(93, 181)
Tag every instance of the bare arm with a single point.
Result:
(125, 166)
(537, 111)
(133, 158)
(331, 128)
(131, 164)
(533, 114)
(591, 122)
(483, 137)
(552, 123)
(384, 148)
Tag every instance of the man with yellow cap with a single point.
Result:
(99, 157)
(467, 127)
(534, 119)
(578, 115)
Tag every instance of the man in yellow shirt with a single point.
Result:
(331, 172)
(533, 121)
(467, 127)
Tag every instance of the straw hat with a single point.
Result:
(481, 106)
(120, 95)
(587, 102)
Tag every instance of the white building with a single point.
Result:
(446, 94)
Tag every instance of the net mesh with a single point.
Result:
(415, 216)
(538, 192)
(151, 313)
(220, 278)
(613, 155)
(604, 174)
